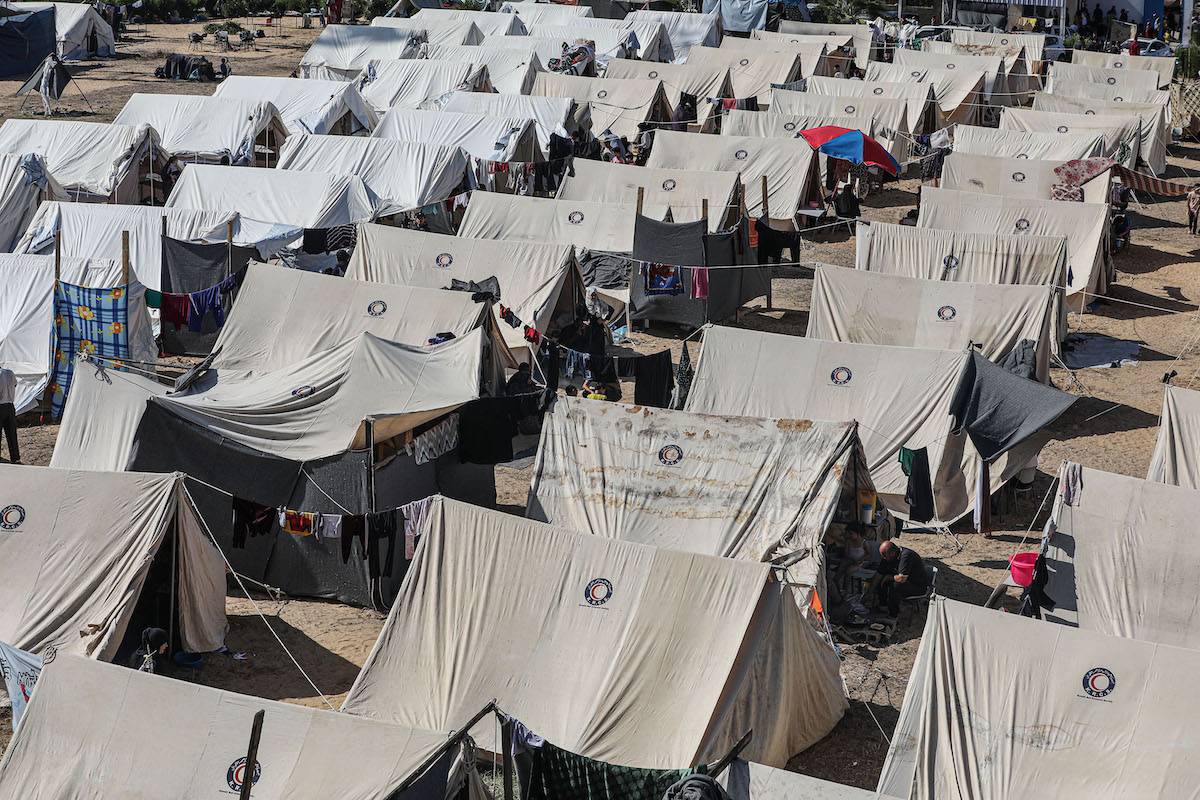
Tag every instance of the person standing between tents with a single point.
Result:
(8, 412)
(46, 87)
(1193, 204)
(901, 575)
(148, 657)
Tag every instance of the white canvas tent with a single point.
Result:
(978, 140)
(1174, 460)
(510, 70)
(752, 71)
(533, 13)
(812, 58)
(307, 106)
(1122, 133)
(685, 30)
(1066, 87)
(953, 255)
(420, 82)
(698, 80)
(342, 52)
(889, 113)
(24, 185)
(437, 31)
(788, 164)
(831, 55)
(1155, 123)
(489, 23)
(402, 175)
(852, 305)
(79, 29)
(91, 719)
(922, 105)
(1118, 559)
(100, 419)
(736, 122)
(1125, 79)
(651, 42)
(1084, 224)
(551, 114)
(204, 129)
(740, 653)
(996, 78)
(749, 781)
(860, 34)
(1096, 716)
(900, 396)
(1032, 44)
(959, 93)
(680, 192)
(94, 162)
(550, 41)
(288, 197)
(1019, 82)
(1162, 68)
(539, 282)
(93, 232)
(1014, 177)
(736, 487)
(27, 317)
(616, 105)
(482, 136)
(77, 556)
(595, 226)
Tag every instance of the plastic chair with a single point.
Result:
(920, 600)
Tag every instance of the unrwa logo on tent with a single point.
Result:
(670, 455)
(11, 517)
(235, 776)
(947, 313)
(841, 376)
(598, 592)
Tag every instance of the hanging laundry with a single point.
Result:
(699, 283)
(654, 380)
(353, 527)
(552, 773)
(200, 304)
(683, 379)
(92, 322)
(297, 523)
(250, 519)
(381, 529)
(331, 526)
(919, 491)
(532, 335)
(983, 498)
(439, 338)
(415, 514)
(508, 316)
(660, 279)
(175, 309)
(486, 428)
(771, 243)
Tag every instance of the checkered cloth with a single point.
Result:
(557, 774)
(93, 322)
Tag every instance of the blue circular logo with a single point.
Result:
(598, 592)
(669, 185)
(1099, 682)
(235, 776)
(841, 376)
(670, 455)
(377, 308)
(947, 313)
(444, 260)
(11, 517)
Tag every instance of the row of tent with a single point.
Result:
(297, 415)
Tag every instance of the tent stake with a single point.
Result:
(251, 756)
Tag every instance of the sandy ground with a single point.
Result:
(1112, 427)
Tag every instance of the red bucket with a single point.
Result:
(1021, 567)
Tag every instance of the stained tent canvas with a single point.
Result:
(82, 548)
(752, 72)
(1097, 716)
(1015, 177)
(89, 719)
(851, 305)
(900, 397)
(539, 282)
(699, 674)
(996, 78)
(400, 175)
(736, 487)
(960, 94)
(306, 105)
(1084, 224)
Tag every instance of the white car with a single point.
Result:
(1150, 47)
(1054, 47)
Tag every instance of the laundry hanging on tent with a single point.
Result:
(21, 671)
(918, 493)
(87, 322)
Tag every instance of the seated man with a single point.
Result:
(901, 575)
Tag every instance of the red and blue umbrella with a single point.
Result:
(850, 145)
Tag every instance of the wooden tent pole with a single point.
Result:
(124, 258)
(641, 199)
(251, 756)
(766, 206)
(57, 257)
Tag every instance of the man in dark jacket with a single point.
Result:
(901, 575)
